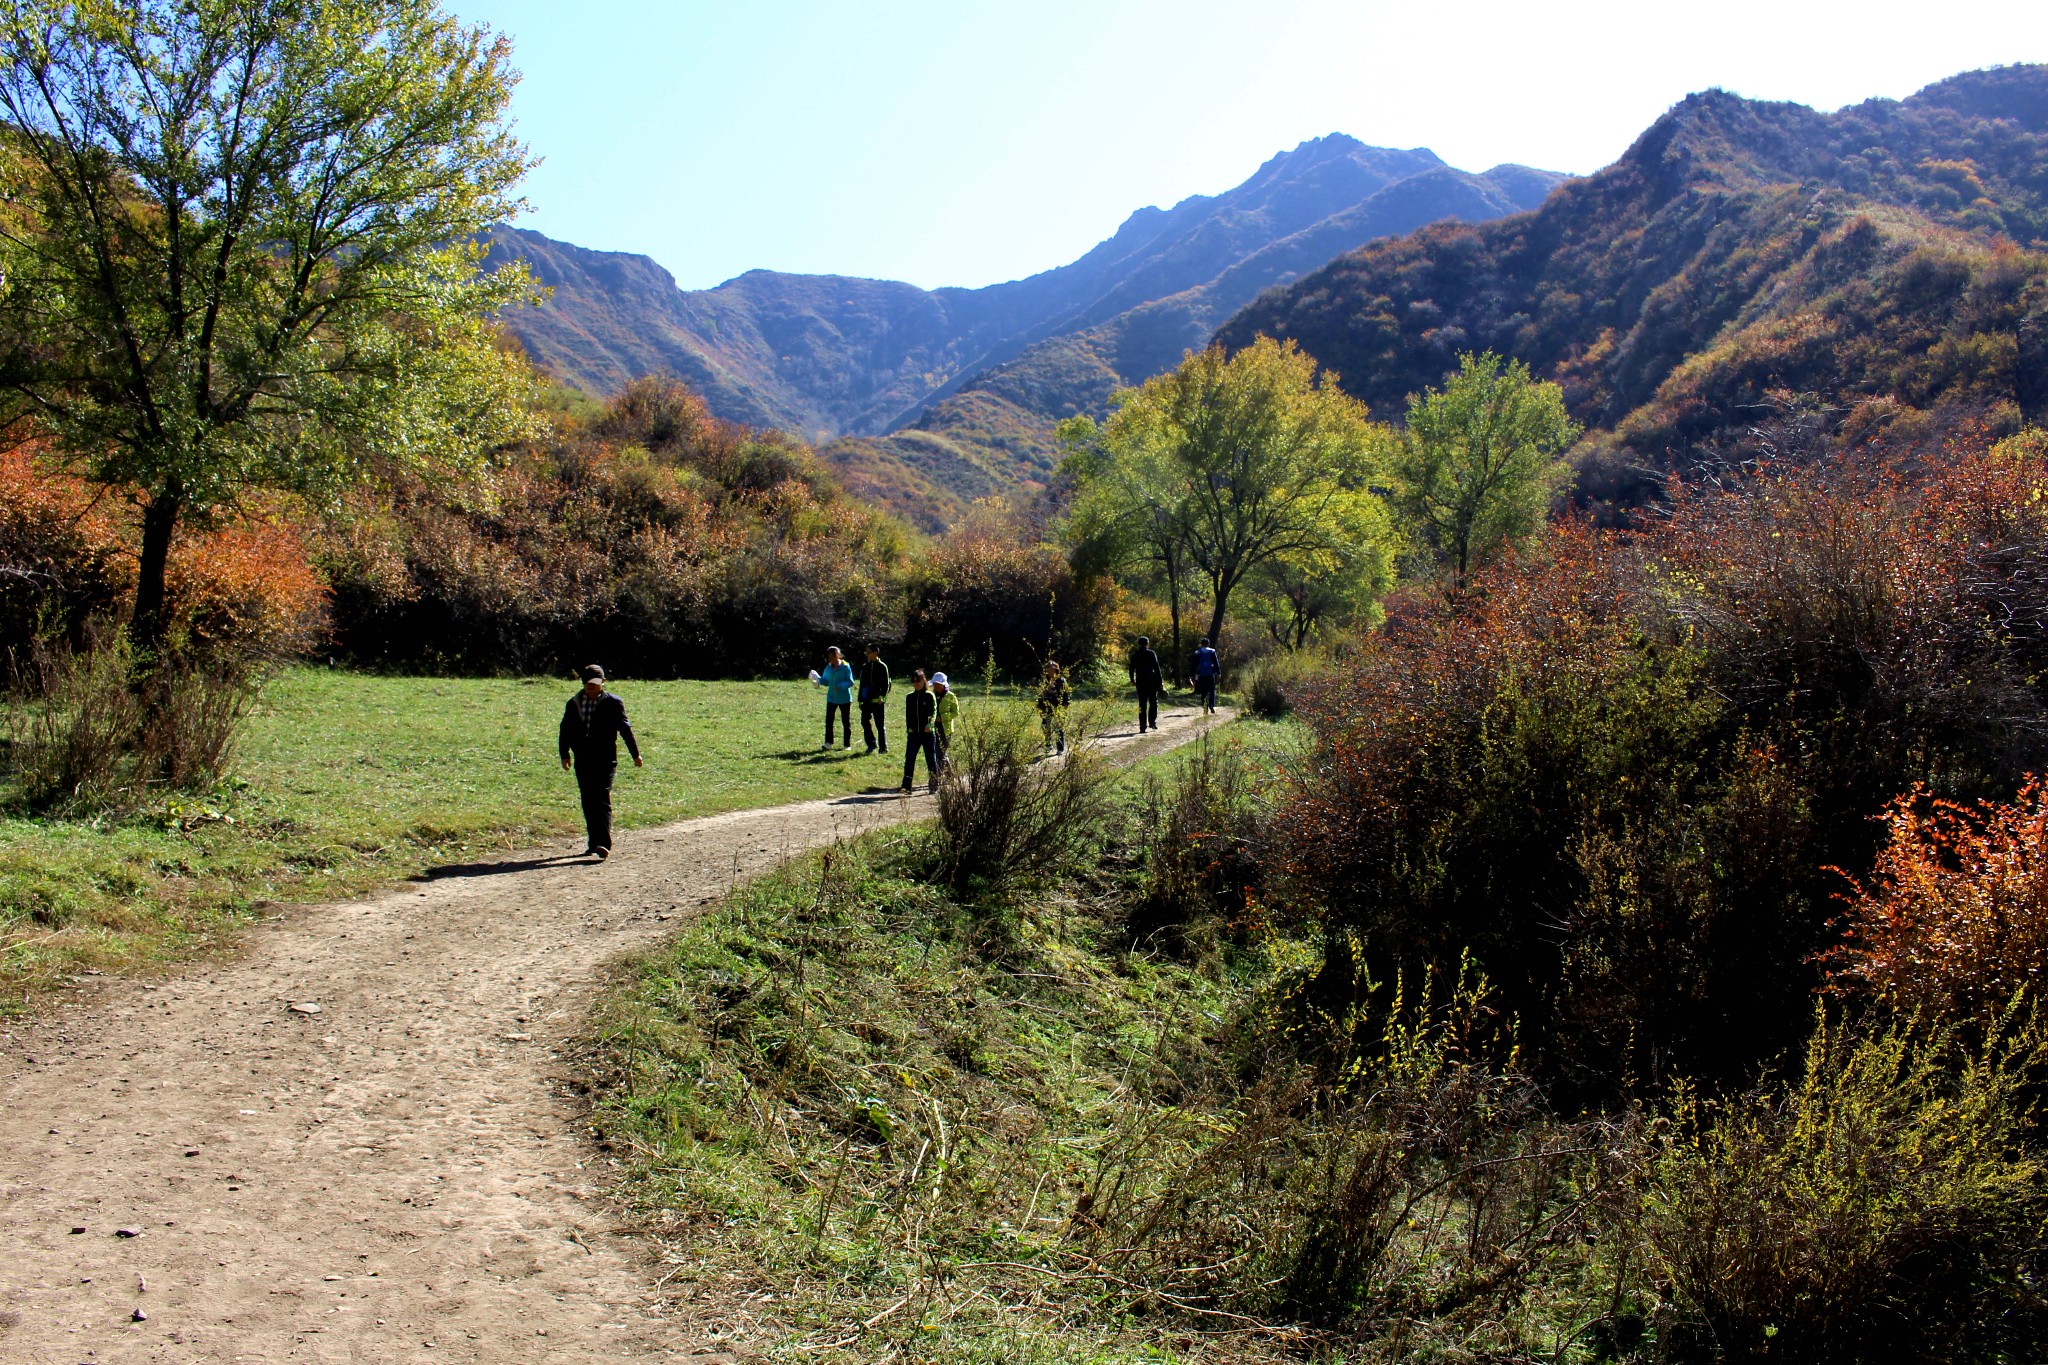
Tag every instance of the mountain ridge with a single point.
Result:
(828, 356)
(1885, 266)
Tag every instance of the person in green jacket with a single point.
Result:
(948, 717)
(1053, 697)
(837, 680)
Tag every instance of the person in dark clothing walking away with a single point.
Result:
(593, 723)
(920, 710)
(1150, 680)
(874, 701)
(1207, 668)
(1053, 697)
(946, 718)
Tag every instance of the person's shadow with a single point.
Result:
(833, 755)
(500, 869)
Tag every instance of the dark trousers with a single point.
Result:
(874, 724)
(925, 743)
(594, 784)
(1148, 707)
(1205, 688)
(939, 745)
(845, 710)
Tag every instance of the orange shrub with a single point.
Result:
(1954, 920)
(246, 590)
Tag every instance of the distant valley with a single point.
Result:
(928, 399)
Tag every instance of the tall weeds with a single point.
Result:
(95, 733)
(1008, 814)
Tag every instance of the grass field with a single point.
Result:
(346, 780)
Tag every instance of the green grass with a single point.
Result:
(346, 780)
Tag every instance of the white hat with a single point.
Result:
(939, 680)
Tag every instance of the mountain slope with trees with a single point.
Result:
(828, 356)
(1750, 278)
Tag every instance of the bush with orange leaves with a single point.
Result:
(1952, 922)
(242, 591)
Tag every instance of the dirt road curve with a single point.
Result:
(196, 1171)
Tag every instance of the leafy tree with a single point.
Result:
(1481, 460)
(1238, 460)
(1127, 518)
(238, 243)
(1295, 594)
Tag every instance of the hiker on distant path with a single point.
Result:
(1053, 697)
(1150, 680)
(946, 718)
(874, 701)
(837, 680)
(920, 710)
(593, 723)
(1207, 668)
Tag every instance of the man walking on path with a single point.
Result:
(1206, 668)
(592, 724)
(1150, 680)
(874, 701)
(920, 710)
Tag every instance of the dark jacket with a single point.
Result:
(1145, 670)
(597, 743)
(1204, 663)
(1054, 695)
(918, 710)
(874, 680)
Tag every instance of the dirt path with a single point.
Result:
(195, 1170)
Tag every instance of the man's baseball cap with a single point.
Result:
(592, 673)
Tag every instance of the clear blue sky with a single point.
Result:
(969, 141)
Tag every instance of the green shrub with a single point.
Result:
(1889, 1205)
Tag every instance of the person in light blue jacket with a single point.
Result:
(837, 680)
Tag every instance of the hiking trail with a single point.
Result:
(200, 1168)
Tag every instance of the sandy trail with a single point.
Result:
(398, 1177)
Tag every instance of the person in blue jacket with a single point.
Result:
(837, 680)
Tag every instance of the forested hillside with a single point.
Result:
(1749, 277)
(827, 356)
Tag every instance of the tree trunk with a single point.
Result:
(150, 623)
(1216, 616)
(1173, 664)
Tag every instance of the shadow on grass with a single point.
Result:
(501, 869)
(835, 754)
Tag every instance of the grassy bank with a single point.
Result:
(345, 780)
(876, 1121)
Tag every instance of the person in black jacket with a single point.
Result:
(920, 708)
(1150, 680)
(593, 723)
(874, 701)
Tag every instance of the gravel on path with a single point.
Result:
(358, 1141)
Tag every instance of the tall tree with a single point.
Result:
(1251, 457)
(238, 243)
(1481, 461)
(1127, 518)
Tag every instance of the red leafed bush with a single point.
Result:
(1616, 776)
(61, 560)
(241, 590)
(246, 591)
(1953, 920)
